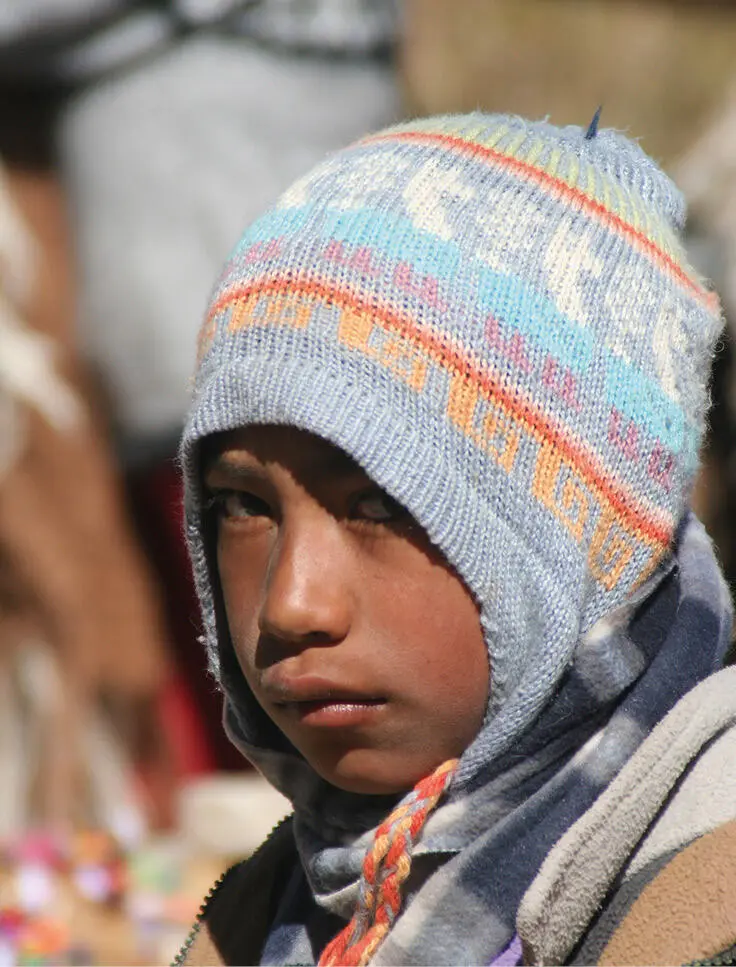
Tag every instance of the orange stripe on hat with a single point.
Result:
(656, 528)
(561, 189)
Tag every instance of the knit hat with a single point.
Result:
(497, 320)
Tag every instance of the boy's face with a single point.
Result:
(354, 634)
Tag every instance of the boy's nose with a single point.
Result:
(308, 598)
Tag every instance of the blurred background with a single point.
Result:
(137, 139)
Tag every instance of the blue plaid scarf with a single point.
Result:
(482, 847)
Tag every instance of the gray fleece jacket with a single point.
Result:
(597, 893)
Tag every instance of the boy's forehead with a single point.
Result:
(262, 444)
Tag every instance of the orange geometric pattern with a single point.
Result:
(492, 414)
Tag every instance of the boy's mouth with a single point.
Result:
(318, 702)
(334, 713)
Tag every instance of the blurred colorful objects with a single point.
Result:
(84, 899)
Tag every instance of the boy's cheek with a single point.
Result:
(240, 595)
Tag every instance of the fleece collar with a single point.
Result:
(580, 870)
(625, 678)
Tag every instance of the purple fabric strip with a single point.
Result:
(510, 956)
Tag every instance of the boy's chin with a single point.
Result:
(371, 773)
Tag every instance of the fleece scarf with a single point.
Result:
(484, 844)
(668, 801)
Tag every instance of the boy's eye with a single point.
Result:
(375, 505)
(238, 505)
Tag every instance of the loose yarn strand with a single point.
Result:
(385, 868)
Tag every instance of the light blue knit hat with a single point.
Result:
(497, 320)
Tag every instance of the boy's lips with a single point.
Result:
(320, 702)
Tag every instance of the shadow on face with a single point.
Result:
(356, 637)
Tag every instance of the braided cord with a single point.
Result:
(385, 869)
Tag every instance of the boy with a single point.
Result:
(448, 407)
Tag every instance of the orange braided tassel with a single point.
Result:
(385, 868)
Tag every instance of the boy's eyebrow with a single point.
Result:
(333, 462)
(228, 467)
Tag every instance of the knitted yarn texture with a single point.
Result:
(385, 869)
(497, 320)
